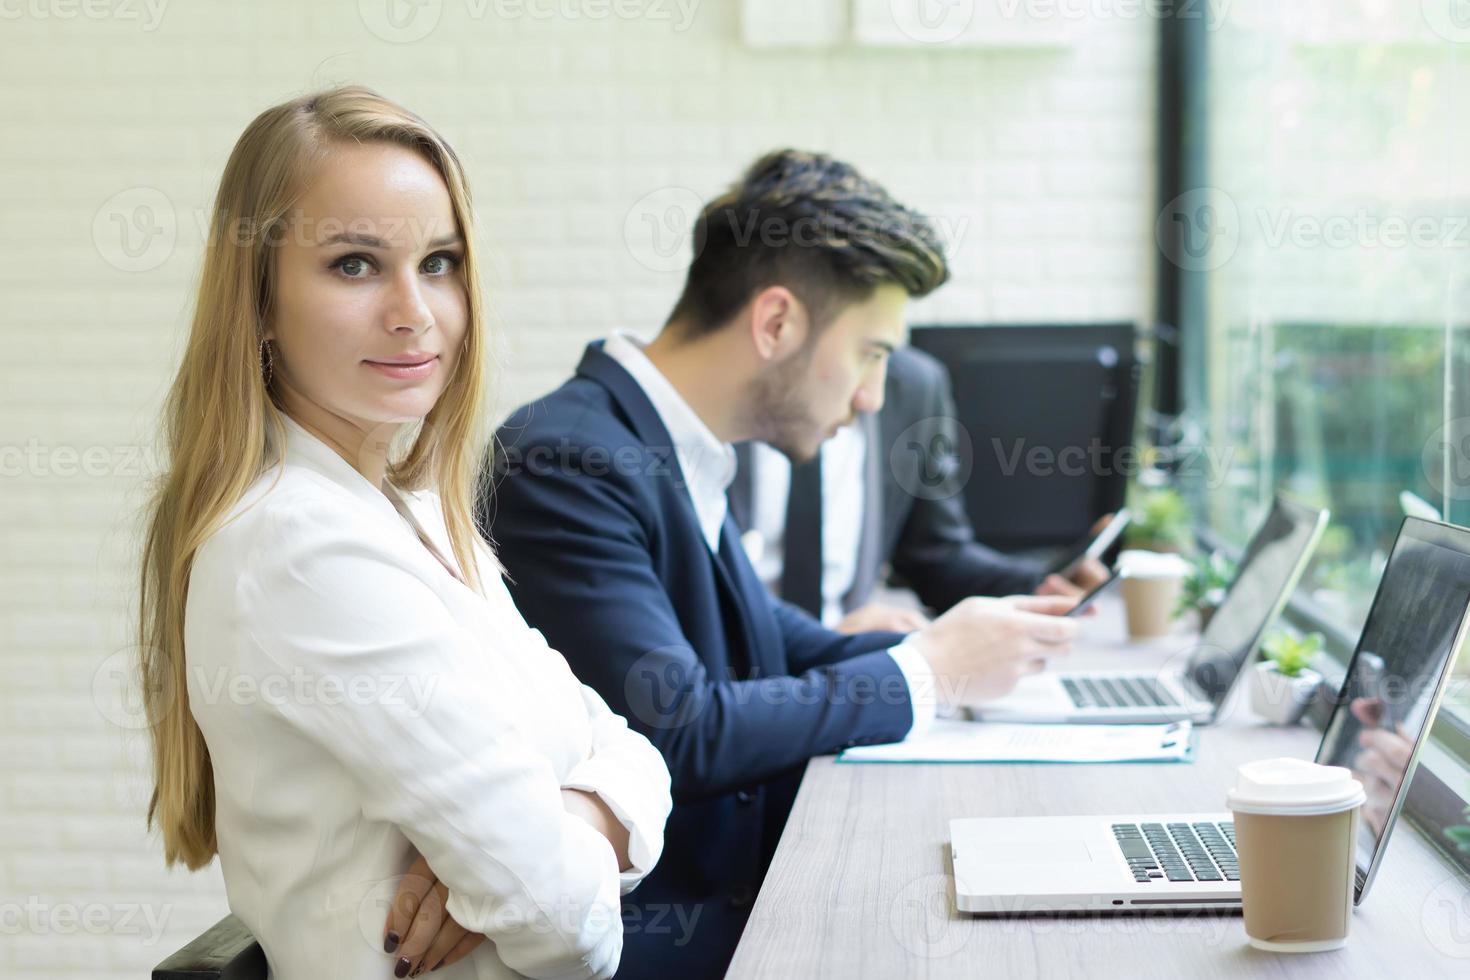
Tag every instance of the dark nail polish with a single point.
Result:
(400, 969)
(440, 963)
(390, 942)
(418, 971)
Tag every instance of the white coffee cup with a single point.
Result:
(1296, 834)
(1152, 584)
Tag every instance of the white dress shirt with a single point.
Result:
(844, 489)
(360, 702)
(709, 469)
(708, 463)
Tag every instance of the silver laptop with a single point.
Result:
(1131, 862)
(1195, 689)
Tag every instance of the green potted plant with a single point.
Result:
(1283, 683)
(1205, 586)
(1161, 521)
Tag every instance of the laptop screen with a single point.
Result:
(1388, 700)
(1269, 569)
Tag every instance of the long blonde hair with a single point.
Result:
(223, 426)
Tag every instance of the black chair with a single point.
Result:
(227, 951)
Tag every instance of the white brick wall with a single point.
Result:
(1040, 159)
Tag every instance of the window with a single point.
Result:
(1334, 347)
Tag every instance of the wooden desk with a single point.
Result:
(861, 883)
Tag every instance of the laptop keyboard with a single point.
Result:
(1179, 851)
(1117, 692)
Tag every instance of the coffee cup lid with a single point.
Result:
(1293, 787)
(1151, 564)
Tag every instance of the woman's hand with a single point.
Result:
(420, 929)
(590, 808)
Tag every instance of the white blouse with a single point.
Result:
(360, 702)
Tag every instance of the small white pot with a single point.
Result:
(1278, 699)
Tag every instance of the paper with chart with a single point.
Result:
(953, 740)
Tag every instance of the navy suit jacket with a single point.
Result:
(605, 556)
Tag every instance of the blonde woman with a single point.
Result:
(338, 684)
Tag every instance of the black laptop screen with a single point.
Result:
(1407, 643)
(1268, 569)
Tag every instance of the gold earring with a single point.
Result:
(268, 361)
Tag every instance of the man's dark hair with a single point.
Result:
(812, 224)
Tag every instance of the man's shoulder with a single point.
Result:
(918, 388)
(577, 431)
(579, 409)
(910, 368)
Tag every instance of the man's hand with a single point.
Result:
(1089, 574)
(981, 648)
(875, 616)
(1083, 577)
(1381, 764)
(1054, 584)
(420, 930)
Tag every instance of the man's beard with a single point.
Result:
(779, 415)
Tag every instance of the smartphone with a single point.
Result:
(1088, 599)
(1092, 546)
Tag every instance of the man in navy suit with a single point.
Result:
(609, 513)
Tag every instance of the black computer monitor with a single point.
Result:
(1047, 408)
